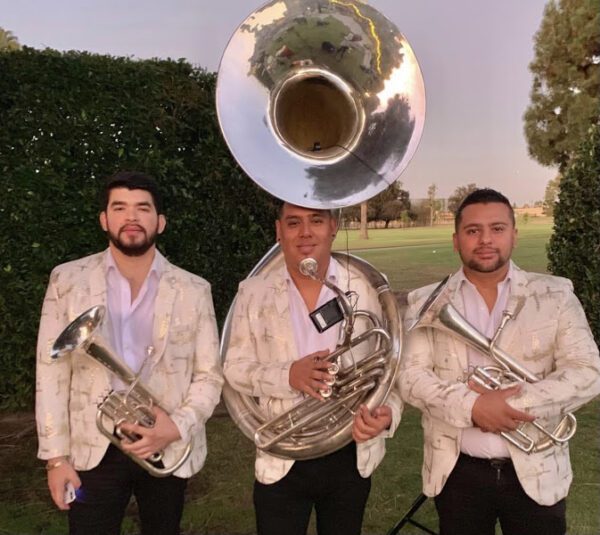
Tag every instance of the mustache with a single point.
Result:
(132, 227)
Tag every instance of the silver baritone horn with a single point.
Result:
(132, 405)
(438, 313)
(322, 104)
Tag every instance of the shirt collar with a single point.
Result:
(462, 278)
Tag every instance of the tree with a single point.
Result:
(574, 249)
(431, 203)
(551, 196)
(8, 41)
(459, 194)
(364, 218)
(389, 204)
(565, 94)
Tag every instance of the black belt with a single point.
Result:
(495, 462)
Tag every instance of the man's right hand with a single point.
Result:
(492, 414)
(309, 373)
(58, 477)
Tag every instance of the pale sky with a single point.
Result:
(473, 54)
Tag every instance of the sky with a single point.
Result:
(474, 55)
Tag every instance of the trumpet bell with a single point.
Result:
(322, 103)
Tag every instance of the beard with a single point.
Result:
(479, 267)
(133, 249)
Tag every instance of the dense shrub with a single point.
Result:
(69, 119)
(574, 249)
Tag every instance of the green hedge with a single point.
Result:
(574, 249)
(67, 120)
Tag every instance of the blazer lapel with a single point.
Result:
(516, 301)
(281, 319)
(456, 300)
(163, 311)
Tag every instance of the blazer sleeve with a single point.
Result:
(575, 378)
(53, 379)
(244, 370)
(450, 401)
(204, 390)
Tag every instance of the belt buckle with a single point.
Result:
(498, 463)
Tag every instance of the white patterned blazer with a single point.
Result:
(549, 336)
(262, 349)
(185, 372)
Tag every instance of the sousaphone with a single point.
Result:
(322, 104)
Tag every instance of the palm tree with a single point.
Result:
(8, 41)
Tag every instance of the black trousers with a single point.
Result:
(479, 492)
(106, 490)
(330, 484)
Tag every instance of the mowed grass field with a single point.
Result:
(414, 257)
(220, 496)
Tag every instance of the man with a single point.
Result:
(476, 476)
(157, 313)
(276, 354)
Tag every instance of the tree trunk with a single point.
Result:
(364, 233)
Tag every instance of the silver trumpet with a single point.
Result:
(438, 313)
(132, 405)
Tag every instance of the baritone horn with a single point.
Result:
(438, 313)
(132, 405)
(322, 104)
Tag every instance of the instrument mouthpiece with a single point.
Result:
(308, 267)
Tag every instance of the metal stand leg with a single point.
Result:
(407, 518)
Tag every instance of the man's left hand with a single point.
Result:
(368, 425)
(153, 439)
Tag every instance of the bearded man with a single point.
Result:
(161, 323)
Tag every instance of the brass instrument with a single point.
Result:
(438, 313)
(322, 103)
(132, 405)
(313, 428)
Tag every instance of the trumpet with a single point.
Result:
(437, 314)
(132, 405)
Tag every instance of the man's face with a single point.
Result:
(486, 237)
(131, 221)
(304, 233)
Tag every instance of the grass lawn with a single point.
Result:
(220, 496)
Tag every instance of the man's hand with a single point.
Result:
(309, 373)
(492, 414)
(58, 477)
(368, 425)
(153, 439)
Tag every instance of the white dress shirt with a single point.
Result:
(474, 441)
(131, 322)
(308, 339)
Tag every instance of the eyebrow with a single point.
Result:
(479, 225)
(123, 203)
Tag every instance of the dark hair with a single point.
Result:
(131, 180)
(482, 196)
(333, 213)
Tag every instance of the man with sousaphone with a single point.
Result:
(497, 359)
(277, 354)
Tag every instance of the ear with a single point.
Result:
(162, 223)
(103, 222)
(333, 225)
(278, 229)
